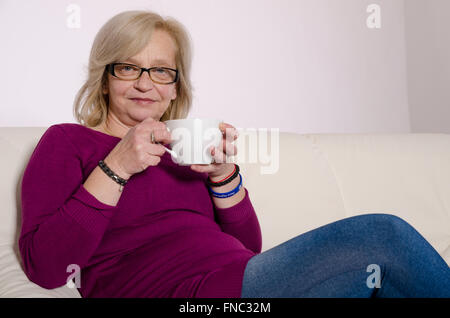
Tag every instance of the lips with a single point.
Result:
(143, 99)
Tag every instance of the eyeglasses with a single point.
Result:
(131, 72)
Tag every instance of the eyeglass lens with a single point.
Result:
(130, 72)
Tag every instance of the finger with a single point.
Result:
(149, 119)
(229, 149)
(218, 155)
(229, 131)
(223, 126)
(150, 124)
(146, 126)
(154, 149)
(152, 160)
(202, 168)
(162, 135)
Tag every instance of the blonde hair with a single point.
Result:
(122, 37)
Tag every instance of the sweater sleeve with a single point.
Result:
(241, 221)
(62, 223)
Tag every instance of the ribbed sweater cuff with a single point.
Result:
(88, 211)
(237, 212)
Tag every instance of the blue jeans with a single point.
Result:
(371, 255)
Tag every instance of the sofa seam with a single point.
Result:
(331, 167)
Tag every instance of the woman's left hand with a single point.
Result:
(220, 167)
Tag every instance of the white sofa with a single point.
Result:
(321, 178)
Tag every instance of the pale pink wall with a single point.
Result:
(307, 66)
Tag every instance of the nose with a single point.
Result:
(144, 83)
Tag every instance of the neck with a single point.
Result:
(114, 127)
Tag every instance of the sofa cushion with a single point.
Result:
(300, 196)
(407, 175)
(16, 144)
(15, 284)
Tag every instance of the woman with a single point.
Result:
(105, 196)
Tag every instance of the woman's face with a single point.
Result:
(160, 51)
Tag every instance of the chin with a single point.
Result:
(142, 114)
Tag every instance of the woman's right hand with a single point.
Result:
(135, 152)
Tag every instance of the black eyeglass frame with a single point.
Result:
(110, 69)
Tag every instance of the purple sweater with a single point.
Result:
(165, 237)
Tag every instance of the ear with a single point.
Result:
(174, 93)
(105, 85)
(105, 89)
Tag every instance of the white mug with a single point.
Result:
(193, 138)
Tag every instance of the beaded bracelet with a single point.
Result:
(227, 180)
(227, 194)
(112, 175)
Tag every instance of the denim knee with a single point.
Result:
(395, 223)
(388, 228)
